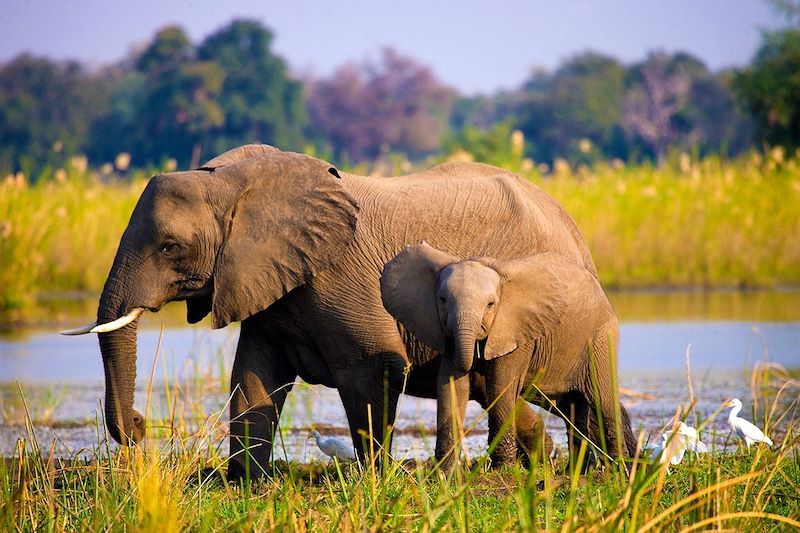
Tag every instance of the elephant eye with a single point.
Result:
(490, 304)
(169, 247)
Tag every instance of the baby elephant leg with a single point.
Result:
(451, 404)
(513, 424)
(502, 429)
(532, 439)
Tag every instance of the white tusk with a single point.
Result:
(118, 323)
(83, 330)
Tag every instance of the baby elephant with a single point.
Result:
(539, 320)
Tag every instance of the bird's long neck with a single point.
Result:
(734, 412)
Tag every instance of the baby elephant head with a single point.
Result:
(452, 304)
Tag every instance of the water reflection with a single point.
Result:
(631, 306)
(718, 305)
(728, 333)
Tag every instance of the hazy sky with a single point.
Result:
(476, 46)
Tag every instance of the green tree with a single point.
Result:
(258, 99)
(581, 101)
(673, 101)
(770, 88)
(119, 128)
(167, 52)
(497, 145)
(46, 109)
(180, 111)
(177, 101)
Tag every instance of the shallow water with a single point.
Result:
(62, 377)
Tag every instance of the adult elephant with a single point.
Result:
(294, 250)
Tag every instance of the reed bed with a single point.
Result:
(59, 236)
(169, 482)
(690, 223)
(697, 224)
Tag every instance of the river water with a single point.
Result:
(727, 334)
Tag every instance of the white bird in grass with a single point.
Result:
(746, 431)
(674, 444)
(333, 448)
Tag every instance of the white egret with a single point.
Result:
(673, 445)
(746, 431)
(333, 448)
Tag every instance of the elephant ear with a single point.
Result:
(239, 154)
(292, 220)
(408, 290)
(533, 301)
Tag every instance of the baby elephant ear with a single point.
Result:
(533, 300)
(408, 290)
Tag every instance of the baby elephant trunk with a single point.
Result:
(465, 335)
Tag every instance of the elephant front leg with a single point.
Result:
(260, 382)
(503, 412)
(452, 395)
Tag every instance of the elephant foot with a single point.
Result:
(558, 481)
(590, 462)
(446, 462)
(535, 449)
(237, 474)
(207, 475)
(500, 462)
(506, 453)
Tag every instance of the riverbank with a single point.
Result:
(691, 224)
(62, 472)
(163, 485)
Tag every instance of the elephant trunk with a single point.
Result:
(118, 349)
(465, 335)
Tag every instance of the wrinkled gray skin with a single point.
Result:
(532, 320)
(294, 250)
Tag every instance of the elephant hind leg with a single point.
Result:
(619, 438)
(532, 439)
(574, 409)
(369, 418)
(369, 394)
(612, 431)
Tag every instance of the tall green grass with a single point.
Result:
(707, 223)
(162, 486)
(59, 236)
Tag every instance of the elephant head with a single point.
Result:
(451, 304)
(229, 238)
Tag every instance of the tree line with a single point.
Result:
(179, 102)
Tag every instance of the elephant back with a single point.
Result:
(239, 154)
